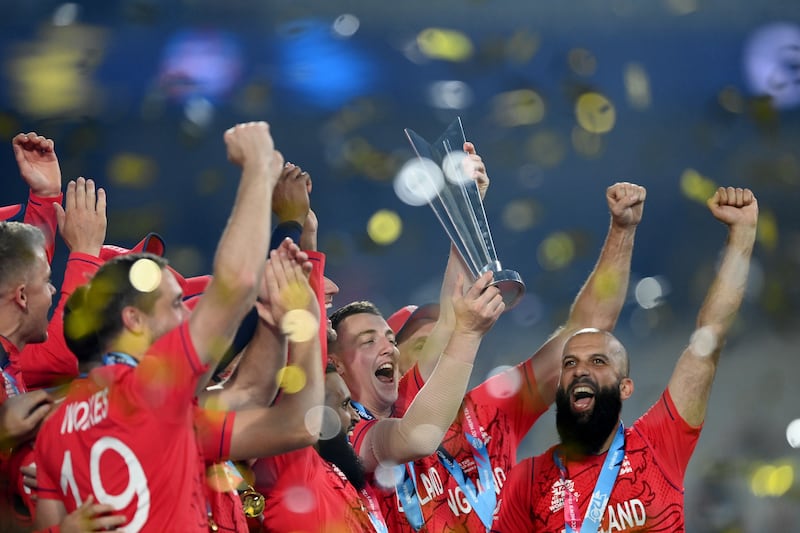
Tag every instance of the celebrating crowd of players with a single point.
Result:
(153, 402)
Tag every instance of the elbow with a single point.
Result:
(236, 281)
(424, 440)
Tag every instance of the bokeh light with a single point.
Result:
(704, 341)
(793, 433)
(556, 251)
(204, 63)
(637, 86)
(384, 227)
(145, 275)
(452, 94)
(346, 25)
(388, 475)
(132, 170)
(771, 60)
(518, 108)
(503, 381)
(457, 168)
(418, 181)
(440, 43)
(772, 480)
(595, 113)
(520, 214)
(697, 187)
(299, 499)
(291, 379)
(299, 325)
(331, 423)
(649, 292)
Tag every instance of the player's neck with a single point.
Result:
(377, 408)
(130, 343)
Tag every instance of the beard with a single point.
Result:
(338, 451)
(586, 433)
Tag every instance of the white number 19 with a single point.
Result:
(137, 483)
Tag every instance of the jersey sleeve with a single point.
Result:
(40, 213)
(673, 440)
(166, 378)
(513, 512)
(214, 431)
(515, 393)
(46, 477)
(359, 432)
(51, 362)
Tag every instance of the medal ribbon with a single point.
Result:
(483, 503)
(374, 512)
(602, 490)
(119, 358)
(12, 388)
(406, 489)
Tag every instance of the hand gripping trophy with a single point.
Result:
(438, 178)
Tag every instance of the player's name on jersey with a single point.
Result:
(82, 415)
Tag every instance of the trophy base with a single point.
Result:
(511, 287)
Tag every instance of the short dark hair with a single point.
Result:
(19, 244)
(353, 308)
(93, 313)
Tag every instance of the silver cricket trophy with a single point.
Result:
(439, 178)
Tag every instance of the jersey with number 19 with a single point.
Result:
(125, 435)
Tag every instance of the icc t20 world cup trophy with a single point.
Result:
(439, 179)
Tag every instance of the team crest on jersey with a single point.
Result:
(626, 466)
(557, 494)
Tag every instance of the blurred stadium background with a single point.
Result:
(562, 99)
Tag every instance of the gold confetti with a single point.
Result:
(145, 275)
(384, 227)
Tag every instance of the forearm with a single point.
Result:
(427, 419)
(285, 426)
(601, 298)
(252, 384)
(239, 259)
(445, 324)
(727, 290)
(238, 266)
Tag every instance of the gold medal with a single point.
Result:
(252, 503)
(212, 526)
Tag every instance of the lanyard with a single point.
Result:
(406, 490)
(602, 489)
(362, 411)
(374, 512)
(119, 358)
(483, 503)
(12, 388)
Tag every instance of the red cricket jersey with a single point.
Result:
(125, 434)
(16, 497)
(306, 494)
(647, 495)
(504, 407)
(214, 430)
(40, 213)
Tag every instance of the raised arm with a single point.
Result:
(601, 298)
(82, 223)
(38, 166)
(690, 384)
(240, 254)
(441, 332)
(293, 422)
(420, 431)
